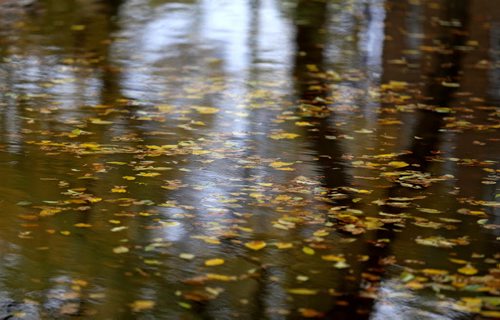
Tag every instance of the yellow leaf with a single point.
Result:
(283, 245)
(308, 250)
(130, 178)
(120, 249)
(333, 257)
(458, 261)
(140, 305)
(434, 272)
(321, 233)
(303, 124)
(414, 285)
(468, 270)
(398, 164)
(220, 277)
(170, 223)
(214, 262)
(49, 212)
(99, 121)
(83, 225)
(148, 174)
(491, 314)
(206, 110)
(78, 27)
(283, 135)
(119, 189)
(186, 256)
(280, 164)
(303, 291)
(164, 108)
(255, 245)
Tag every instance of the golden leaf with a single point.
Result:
(214, 262)
(303, 291)
(468, 270)
(255, 245)
(140, 305)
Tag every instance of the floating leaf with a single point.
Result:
(303, 291)
(120, 249)
(283, 135)
(255, 245)
(468, 270)
(206, 110)
(186, 256)
(333, 257)
(119, 189)
(220, 277)
(141, 305)
(82, 225)
(283, 245)
(341, 265)
(214, 262)
(398, 164)
(308, 250)
(310, 313)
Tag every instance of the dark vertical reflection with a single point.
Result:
(312, 92)
(445, 67)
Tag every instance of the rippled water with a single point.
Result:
(339, 158)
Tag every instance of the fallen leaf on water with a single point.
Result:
(255, 245)
(303, 291)
(186, 256)
(141, 305)
(468, 270)
(120, 249)
(434, 272)
(398, 164)
(82, 225)
(220, 277)
(311, 313)
(214, 262)
(99, 121)
(341, 265)
(280, 164)
(206, 110)
(283, 135)
(119, 189)
(308, 250)
(333, 257)
(283, 245)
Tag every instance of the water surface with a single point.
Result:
(256, 159)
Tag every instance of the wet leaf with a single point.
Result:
(468, 270)
(398, 164)
(206, 110)
(310, 313)
(141, 305)
(303, 291)
(214, 262)
(308, 250)
(120, 249)
(255, 245)
(283, 135)
(187, 256)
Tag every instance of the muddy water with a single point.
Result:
(251, 159)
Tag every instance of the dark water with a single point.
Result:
(357, 140)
